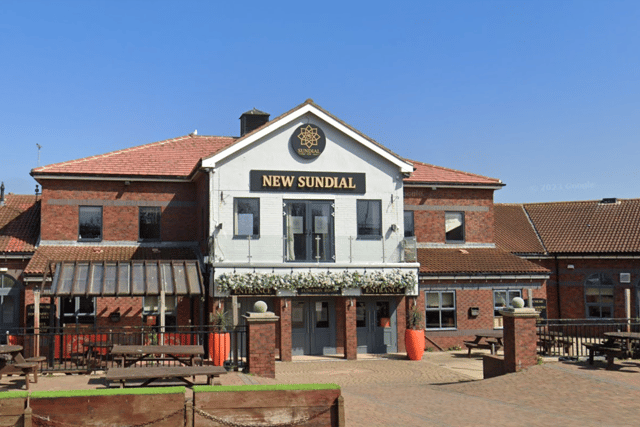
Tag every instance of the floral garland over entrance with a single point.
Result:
(266, 283)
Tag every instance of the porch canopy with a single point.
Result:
(125, 278)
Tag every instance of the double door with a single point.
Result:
(313, 326)
(376, 326)
(308, 231)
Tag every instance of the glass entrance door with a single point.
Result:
(312, 327)
(308, 231)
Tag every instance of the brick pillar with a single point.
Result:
(401, 320)
(519, 330)
(261, 343)
(283, 310)
(350, 331)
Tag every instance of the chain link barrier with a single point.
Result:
(235, 424)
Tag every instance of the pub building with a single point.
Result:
(337, 234)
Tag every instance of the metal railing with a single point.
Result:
(85, 349)
(565, 337)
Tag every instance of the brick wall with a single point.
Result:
(261, 349)
(429, 224)
(179, 221)
(520, 350)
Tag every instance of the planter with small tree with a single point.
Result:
(219, 339)
(414, 334)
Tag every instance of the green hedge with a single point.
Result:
(106, 392)
(13, 394)
(209, 388)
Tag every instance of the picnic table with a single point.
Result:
(491, 340)
(13, 363)
(148, 374)
(553, 339)
(622, 345)
(96, 354)
(129, 355)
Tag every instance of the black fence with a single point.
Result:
(86, 349)
(565, 337)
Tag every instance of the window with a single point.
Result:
(408, 224)
(151, 308)
(598, 291)
(78, 310)
(149, 228)
(246, 217)
(308, 231)
(369, 218)
(454, 226)
(440, 309)
(90, 223)
(502, 300)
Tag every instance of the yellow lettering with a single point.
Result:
(301, 182)
(343, 183)
(287, 181)
(332, 182)
(319, 182)
(266, 180)
(276, 181)
(351, 184)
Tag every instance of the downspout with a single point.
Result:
(558, 287)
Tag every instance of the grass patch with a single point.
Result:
(278, 387)
(106, 392)
(13, 394)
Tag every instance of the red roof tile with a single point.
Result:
(53, 253)
(19, 223)
(513, 230)
(175, 157)
(588, 226)
(426, 173)
(474, 261)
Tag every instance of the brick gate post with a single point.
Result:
(261, 343)
(519, 331)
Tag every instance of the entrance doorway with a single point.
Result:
(376, 325)
(313, 328)
(9, 303)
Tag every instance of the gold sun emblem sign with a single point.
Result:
(308, 136)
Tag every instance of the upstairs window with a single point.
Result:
(149, 223)
(246, 217)
(90, 223)
(408, 224)
(454, 227)
(369, 219)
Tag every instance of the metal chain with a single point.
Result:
(233, 424)
(45, 421)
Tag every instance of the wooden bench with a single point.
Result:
(609, 352)
(549, 342)
(149, 374)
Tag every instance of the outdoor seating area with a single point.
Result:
(488, 340)
(12, 362)
(550, 341)
(621, 345)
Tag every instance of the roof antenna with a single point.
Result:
(39, 147)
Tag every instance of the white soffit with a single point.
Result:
(211, 162)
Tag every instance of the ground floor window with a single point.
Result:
(501, 300)
(440, 309)
(598, 290)
(151, 311)
(78, 310)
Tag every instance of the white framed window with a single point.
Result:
(501, 300)
(440, 310)
(454, 227)
(78, 310)
(246, 221)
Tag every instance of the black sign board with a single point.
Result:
(45, 314)
(540, 304)
(307, 182)
(308, 141)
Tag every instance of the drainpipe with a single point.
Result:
(2, 194)
(558, 287)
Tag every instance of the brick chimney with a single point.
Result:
(252, 120)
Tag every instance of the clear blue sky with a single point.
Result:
(544, 95)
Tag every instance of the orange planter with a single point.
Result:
(219, 347)
(414, 341)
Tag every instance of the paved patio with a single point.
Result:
(444, 389)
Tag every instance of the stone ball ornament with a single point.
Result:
(517, 302)
(260, 307)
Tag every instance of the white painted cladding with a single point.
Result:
(342, 154)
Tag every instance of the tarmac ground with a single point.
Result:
(444, 389)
